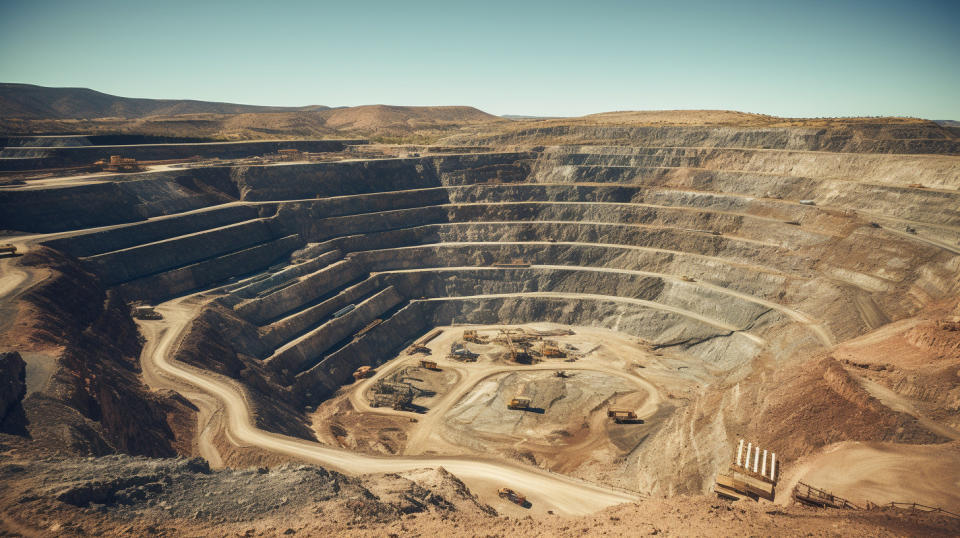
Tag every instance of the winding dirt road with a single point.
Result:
(547, 491)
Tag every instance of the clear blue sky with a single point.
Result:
(802, 58)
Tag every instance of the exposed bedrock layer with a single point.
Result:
(129, 198)
(93, 402)
(93, 140)
(317, 269)
(13, 387)
(863, 138)
(134, 197)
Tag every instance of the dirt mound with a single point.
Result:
(818, 403)
(941, 337)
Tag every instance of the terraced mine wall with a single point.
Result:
(52, 141)
(704, 252)
(129, 198)
(927, 137)
(30, 158)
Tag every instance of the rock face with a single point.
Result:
(134, 487)
(13, 387)
(920, 137)
(732, 246)
(26, 158)
(94, 403)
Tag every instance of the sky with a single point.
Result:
(808, 58)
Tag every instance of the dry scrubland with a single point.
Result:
(668, 254)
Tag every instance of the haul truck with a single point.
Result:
(512, 496)
(621, 415)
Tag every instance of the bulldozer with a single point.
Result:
(8, 248)
(621, 416)
(428, 364)
(519, 402)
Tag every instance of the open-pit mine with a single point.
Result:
(542, 318)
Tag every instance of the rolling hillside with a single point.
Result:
(27, 109)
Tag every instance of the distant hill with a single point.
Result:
(523, 117)
(385, 116)
(27, 101)
(28, 109)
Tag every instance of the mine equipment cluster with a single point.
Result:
(395, 391)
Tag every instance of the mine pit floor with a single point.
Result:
(462, 409)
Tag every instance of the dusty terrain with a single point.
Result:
(464, 408)
(122, 496)
(725, 276)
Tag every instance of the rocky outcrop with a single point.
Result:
(140, 490)
(95, 386)
(13, 387)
